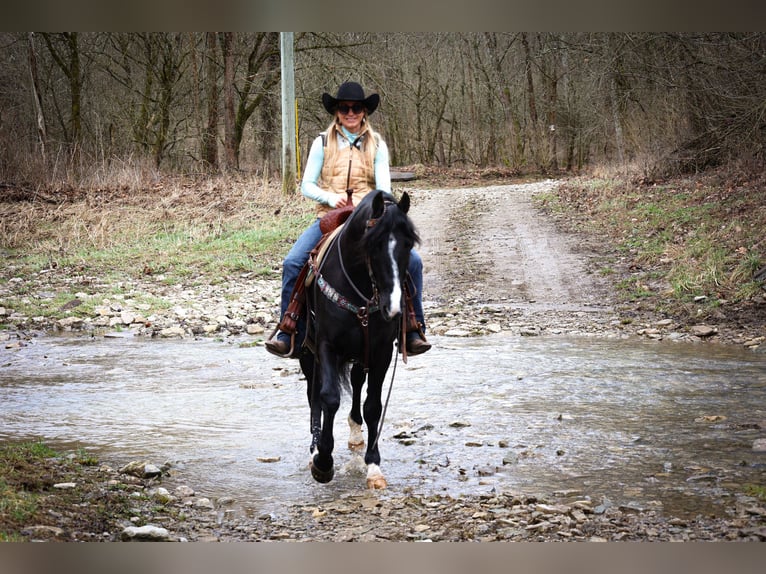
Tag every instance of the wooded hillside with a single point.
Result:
(80, 108)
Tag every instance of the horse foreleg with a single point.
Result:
(315, 408)
(372, 412)
(329, 398)
(355, 436)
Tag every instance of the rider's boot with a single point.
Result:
(416, 338)
(289, 332)
(281, 346)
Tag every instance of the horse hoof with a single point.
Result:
(321, 476)
(375, 478)
(377, 483)
(356, 446)
(355, 436)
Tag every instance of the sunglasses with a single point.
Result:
(345, 108)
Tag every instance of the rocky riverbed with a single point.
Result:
(141, 501)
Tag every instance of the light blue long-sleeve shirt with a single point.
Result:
(309, 184)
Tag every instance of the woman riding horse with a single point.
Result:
(350, 155)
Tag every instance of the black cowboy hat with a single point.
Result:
(350, 92)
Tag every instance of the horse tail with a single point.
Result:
(344, 378)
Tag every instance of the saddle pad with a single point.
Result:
(323, 244)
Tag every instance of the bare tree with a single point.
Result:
(63, 47)
(210, 133)
(230, 145)
(36, 96)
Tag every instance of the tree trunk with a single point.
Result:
(552, 104)
(263, 63)
(531, 100)
(70, 66)
(210, 134)
(505, 97)
(40, 116)
(231, 158)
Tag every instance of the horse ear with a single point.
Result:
(378, 204)
(404, 202)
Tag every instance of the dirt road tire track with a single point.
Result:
(490, 248)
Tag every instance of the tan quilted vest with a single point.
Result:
(335, 175)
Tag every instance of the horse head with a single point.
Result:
(388, 238)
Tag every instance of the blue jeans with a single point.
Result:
(299, 254)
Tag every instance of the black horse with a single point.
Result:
(355, 306)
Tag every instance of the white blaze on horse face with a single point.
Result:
(396, 292)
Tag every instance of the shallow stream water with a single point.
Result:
(634, 423)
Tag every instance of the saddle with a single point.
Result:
(330, 225)
(331, 228)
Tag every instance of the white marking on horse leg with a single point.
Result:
(355, 435)
(375, 478)
(396, 293)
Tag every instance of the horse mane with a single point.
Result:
(385, 222)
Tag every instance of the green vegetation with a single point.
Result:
(756, 490)
(682, 239)
(133, 236)
(20, 485)
(31, 507)
(178, 252)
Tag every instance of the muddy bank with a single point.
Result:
(493, 263)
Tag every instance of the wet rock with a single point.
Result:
(146, 533)
(703, 331)
(459, 424)
(710, 419)
(183, 491)
(171, 332)
(205, 503)
(141, 469)
(457, 333)
(69, 323)
(163, 496)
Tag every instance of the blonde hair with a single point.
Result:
(369, 142)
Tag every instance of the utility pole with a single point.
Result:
(288, 113)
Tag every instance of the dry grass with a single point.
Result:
(680, 238)
(91, 214)
(127, 220)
